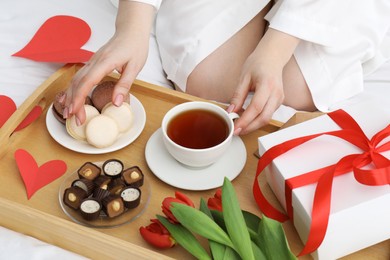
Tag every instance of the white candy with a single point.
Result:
(130, 194)
(90, 206)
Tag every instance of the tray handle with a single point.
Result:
(42, 97)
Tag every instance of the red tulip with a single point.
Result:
(215, 202)
(166, 204)
(157, 235)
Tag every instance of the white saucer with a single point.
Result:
(170, 171)
(59, 133)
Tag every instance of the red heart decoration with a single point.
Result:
(8, 107)
(35, 177)
(59, 39)
(31, 117)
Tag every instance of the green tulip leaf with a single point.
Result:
(252, 221)
(234, 221)
(259, 255)
(272, 240)
(203, 207)
(198, 222)
(218, 218)
(232, 234)
(230, 254)
(217, 250)
(185, 238)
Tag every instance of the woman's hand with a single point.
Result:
(125, 52)
(262, 74)
(265, 80)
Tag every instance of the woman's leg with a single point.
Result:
(296, 92)
(216, 77)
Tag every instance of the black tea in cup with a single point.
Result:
(198, 129)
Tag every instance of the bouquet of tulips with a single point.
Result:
(231, 232)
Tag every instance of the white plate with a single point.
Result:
(59, 133)
(170, 171)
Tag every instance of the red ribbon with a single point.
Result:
(350, 132)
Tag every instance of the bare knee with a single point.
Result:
(296, 92)
(217, 76)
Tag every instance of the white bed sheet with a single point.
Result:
(19, 77)
(19, 21)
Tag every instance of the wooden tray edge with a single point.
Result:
(71, 236)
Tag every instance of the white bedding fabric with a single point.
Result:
(15, 246)
(19, 77)
(19, 21)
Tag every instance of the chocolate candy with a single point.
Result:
(84, 184)
(113, 206)
(90, 209)
(133, 176)
(73, 197)
(116, 185)
(102, 181)
(100, 193)
(112, 168)
(89, 171)
(106, 189)
(131, 197)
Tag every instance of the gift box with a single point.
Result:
(359, 214)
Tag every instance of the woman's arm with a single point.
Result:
(126, 52)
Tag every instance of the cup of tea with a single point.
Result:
(197, 133)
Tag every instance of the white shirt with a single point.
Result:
(343, 40)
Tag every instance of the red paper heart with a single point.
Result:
(59, 39)
(8, 107)
(35, 177)
(31, 117)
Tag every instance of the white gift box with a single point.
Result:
(360, 214)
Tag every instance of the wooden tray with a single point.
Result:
(42, 217)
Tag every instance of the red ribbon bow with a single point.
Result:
(350, 132)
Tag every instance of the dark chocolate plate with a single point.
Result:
(103, 221)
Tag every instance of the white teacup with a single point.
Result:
(197, 150)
